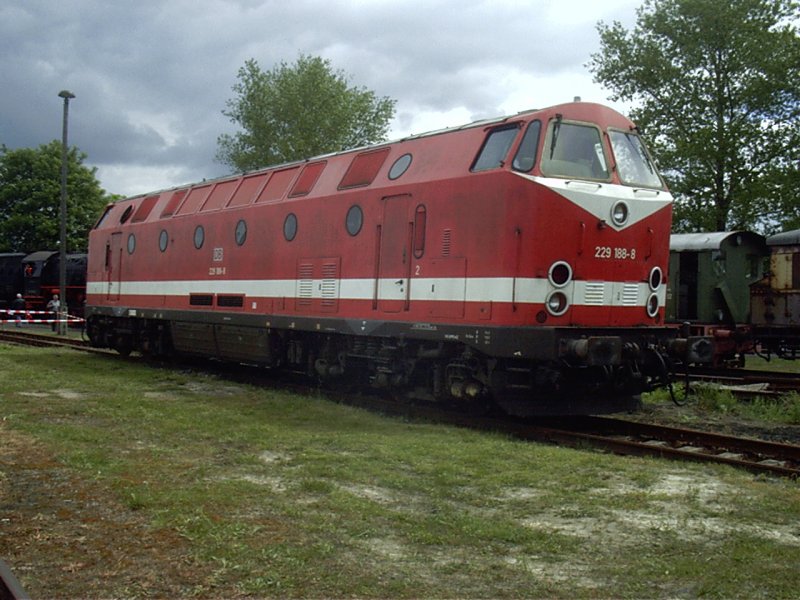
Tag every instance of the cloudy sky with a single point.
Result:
(151, 77)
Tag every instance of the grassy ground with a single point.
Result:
(118, 479)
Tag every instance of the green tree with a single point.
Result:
(716, 88)
(30, 199)
(298, 111)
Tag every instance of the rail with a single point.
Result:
(10, 588)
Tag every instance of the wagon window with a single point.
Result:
(277, 185)
(126, 215)
(364, 168)
(495, 148)
(400, 166)
(163, 240)
(104, 216)
(307, 179)
(199, 237)
(144, 208)
(354, 220)
(290, 227)
(173, 203)
(240, 233)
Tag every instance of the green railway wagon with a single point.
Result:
(710, 276)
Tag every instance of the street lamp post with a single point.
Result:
(62, 274)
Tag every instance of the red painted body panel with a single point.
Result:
(488, 243)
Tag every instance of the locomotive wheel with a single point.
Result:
(123, 345)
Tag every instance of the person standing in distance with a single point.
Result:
(53, 306)
(18, 307)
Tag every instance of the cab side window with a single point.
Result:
(525, 157)
(495, 148)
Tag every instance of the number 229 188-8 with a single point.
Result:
(618, 253)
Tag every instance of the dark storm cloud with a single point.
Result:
(152, 77)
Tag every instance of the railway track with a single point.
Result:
(41, 339)
(614, 435)
(630, 438)
(646, 439)
(748, 382)
(10, 588)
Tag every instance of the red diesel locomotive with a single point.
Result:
(519, 260)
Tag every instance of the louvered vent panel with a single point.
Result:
(595, 293)
(330, 286)
(630, 294)
(305, 283)
(446, 239)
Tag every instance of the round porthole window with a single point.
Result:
(131, 243)
(163, 240)
(241, 232)
(199, 237)
(400, 166)
(290, 227)
(354, 220)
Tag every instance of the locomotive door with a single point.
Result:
(394, 257)
(113, 266)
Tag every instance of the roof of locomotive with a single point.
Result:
(707, 241)
(786, 238)
(279, 166)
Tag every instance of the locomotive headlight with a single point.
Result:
(619, 213)
(557, 303)
(560, 274)
(652, 305)
(656, 278)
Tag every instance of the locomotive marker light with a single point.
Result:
(560, 274)
(656, 277)
(62, 266)
(619, 214)
(557, 303)
(652, 306)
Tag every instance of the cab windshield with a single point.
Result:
(633, 163)
(574, 150)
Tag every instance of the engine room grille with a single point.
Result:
(305, 283)
(318, 284)
(446, 239)
(630, 294)
(330, 285)
(595, 293)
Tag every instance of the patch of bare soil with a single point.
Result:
(65, 537)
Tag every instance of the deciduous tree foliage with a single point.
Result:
(716, 90)
(298, 111)
(30, 199)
